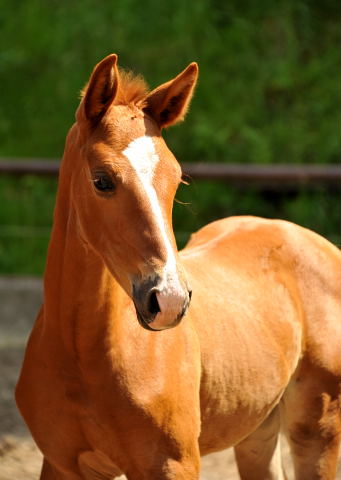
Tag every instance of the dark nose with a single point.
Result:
(145, 298)
(145, 301)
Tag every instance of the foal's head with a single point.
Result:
(125, 185)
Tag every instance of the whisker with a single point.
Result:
(181, 203)
(184, 179)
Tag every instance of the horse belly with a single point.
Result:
(244, 374)
(225, 425)
(250, 334)
(236, 400)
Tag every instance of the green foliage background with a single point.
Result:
(269, 92)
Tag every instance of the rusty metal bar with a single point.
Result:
(266, 176)
(19, 166)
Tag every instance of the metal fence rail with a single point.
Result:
(243, 175)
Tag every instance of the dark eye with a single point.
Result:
(103, 182)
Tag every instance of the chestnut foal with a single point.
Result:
(258, 351)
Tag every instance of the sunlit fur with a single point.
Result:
(132, 89)
(257, 352)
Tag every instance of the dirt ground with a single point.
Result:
(19, 458)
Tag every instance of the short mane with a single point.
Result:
(132, 89)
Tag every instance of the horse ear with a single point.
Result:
(101, 89)
(169, 102)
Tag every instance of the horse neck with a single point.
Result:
(76, 282)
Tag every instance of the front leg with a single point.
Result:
(48, 472)
(94, 466)
(182, 469)
(161, 445)
(166, 452)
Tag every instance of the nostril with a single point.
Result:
(153, 304)
(190, 294)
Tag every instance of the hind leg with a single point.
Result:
(258, 456)
(312, 422)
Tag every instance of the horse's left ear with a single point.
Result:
(169, 102)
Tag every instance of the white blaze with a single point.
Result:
(143, 159)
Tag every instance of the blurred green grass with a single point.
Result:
(269, 92)
(269, 87)
(26, 208)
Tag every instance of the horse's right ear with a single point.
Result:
(101, 89)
